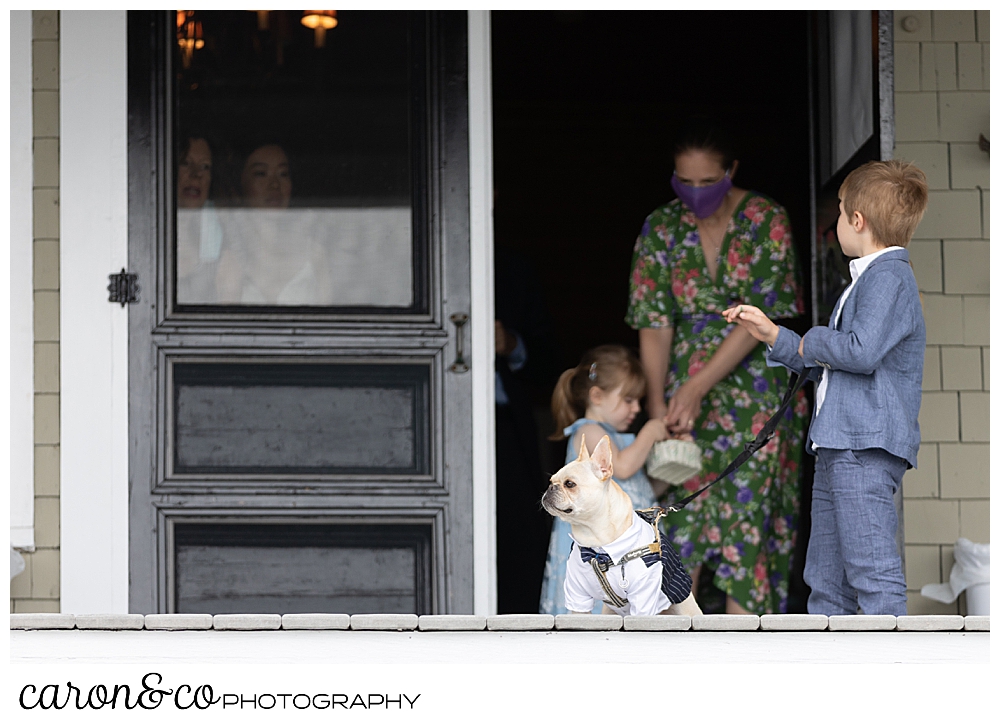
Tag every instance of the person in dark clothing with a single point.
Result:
(524, 360)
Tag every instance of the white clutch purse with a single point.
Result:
(674, 461)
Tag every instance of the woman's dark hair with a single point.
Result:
(248, 144)
(222, 189)
(188, 133)
(705, 133)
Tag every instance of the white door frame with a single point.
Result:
(94, 333)
(483, 340)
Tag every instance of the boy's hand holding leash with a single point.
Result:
(755, 322)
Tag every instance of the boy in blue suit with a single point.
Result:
(868, 366)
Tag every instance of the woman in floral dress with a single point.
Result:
(713, 247)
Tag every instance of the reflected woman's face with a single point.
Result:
(266, 180)
(194, 175)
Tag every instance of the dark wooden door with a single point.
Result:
(300, 434)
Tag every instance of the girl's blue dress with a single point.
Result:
(639, 490)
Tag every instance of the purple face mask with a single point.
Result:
(702, 200)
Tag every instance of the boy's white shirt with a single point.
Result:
(857, 267)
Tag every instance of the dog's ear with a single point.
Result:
(584, 455)
(601, 458)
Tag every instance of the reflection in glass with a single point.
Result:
(294, 189)
(199, 232)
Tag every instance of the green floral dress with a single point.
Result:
(743, 528)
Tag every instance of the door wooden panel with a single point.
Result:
(304, 568)
(296, 418)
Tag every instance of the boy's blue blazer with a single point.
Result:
(874, 360)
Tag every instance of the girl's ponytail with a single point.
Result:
(564, 410)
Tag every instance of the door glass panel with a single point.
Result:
(294, 157)
(301, 418)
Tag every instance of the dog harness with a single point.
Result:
(675, 581)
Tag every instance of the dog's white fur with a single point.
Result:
(584, 494)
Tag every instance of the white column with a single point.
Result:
(93, 332)
(20, 315)
(481, 262)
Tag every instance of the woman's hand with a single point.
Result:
(754, 321)
(505, 340)
(684, 408)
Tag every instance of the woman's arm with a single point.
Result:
(654, 353)
(626, 462)
(685, 404)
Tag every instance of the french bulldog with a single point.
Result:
(606, 528)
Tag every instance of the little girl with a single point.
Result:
(598, 397)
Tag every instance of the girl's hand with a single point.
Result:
(683, 410)
(754, 321)
(657, 429)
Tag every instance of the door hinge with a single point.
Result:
(124, 288)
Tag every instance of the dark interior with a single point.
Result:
(585, 106)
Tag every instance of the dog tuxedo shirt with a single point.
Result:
(646, 584)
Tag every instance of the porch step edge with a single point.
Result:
(178, 621)
(316, 621)
(930, 622)
(246, 621)
(110, 621)
(451, 622)
(384, 621)
(576, 622)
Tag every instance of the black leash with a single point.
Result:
(763, 437)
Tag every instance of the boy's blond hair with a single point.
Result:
(891, 195)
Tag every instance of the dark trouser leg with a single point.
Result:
(523, 528)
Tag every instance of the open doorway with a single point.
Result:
(585, 107)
